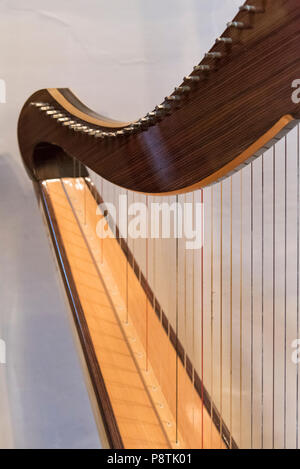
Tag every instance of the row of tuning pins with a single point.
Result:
(74, 125)
(202, 71)
(176, 99)
(77, 126)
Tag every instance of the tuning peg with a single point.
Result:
(144, 120)
(99, 134)
(163, 107)
(192, 78)
(128, 130)
(57, 115)
(173, 98)
(92, 131)
(46, 108)
(73, 126)
(213, 55)
(80, 128)
(153, 116)
(202, 68)
(224, 40)
(236, 24)
(68, 122)
(38, 105)
(136, 125)
(183, 89)
(252, 9)
(52, 113)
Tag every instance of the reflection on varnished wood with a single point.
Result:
(143, 401)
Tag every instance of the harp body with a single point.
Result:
(180, 343)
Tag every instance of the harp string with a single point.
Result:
(185, 289)
(84, 201)
(231, 314)
(221, 312)
(185, 286)
(202, 320)
(285, 287)
(127, 263)
(241, 309)
(177, 316)
(193, 308)
(298, 260)
(147, 278)
(262, 308)
(273, 299)
(212, 312)
(252, 308)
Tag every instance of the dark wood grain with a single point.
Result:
(247, 93)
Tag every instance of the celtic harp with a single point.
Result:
(188, 344)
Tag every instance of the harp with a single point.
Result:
(186, 347)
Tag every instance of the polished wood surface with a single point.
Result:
(96, 377)
(144, 396)
(220, 124)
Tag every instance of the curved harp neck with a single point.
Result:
(229, 104)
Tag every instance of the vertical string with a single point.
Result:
(212, 311)
(79, 176)
(285, 286)
(241, 312)
(94, 188)
(193, 284)
(202, 322)
(231, 315)
(177, 266)
(273, 300)
(147, 309)
(298, 259)
(127, 262)
(102, 238)
(84, 195)
(262, 309)
(221, 313)
(185, 289)
(154, 291)
(252, 309)
(193, 302)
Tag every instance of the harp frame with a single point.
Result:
(55, 129)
